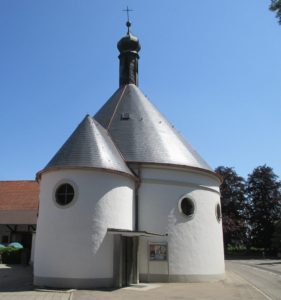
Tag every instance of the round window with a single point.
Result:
(187, 206)
(64, 194)
(218, 212)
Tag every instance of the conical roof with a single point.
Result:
(89, 146)
(142, 133)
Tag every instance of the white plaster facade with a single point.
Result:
(72, 245)
(73, 248)
(195, 245)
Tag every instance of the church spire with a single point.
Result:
(128, 47)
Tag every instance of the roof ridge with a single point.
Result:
(113, 142)
(119, 100)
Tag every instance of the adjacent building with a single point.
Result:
(18, 212)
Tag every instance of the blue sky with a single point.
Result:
(212, 68)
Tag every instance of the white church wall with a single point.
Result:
(148, 267)
(195, 245)
(181, 175)
(72, 246)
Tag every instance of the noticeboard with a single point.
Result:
(158, 251)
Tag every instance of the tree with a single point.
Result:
(276, 7)
(263, 189)
(276, 237)
(233, 207)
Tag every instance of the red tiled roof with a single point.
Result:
(19, 195)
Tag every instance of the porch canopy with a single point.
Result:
(131, 233)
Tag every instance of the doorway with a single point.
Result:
(127, 260)
(125, 266)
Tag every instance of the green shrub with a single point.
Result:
(11, 255)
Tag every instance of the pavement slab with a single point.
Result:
(16, 284)
(34, 295)
(233, 287)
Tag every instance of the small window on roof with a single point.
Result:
(125, 116)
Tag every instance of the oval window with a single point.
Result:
(64, 194)
(187, 206)
(218, 212)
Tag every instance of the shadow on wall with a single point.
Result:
(177, 214)
(102, 213)
(15, 278)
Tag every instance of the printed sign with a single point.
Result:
(158, 251)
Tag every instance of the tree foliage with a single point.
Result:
(276, 7)
(263, 190)
(276, 237)
(233, 206)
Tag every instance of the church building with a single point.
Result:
(126, 199)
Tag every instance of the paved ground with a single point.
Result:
(264, 275)
(16, 283)
(233, 287)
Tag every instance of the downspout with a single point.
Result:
(138, 183)
(136, 239)
(137, 173)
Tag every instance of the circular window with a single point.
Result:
(218, 212)
(187, 207)
(64, 194)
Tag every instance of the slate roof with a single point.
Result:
(19, 195)
(89, 146)
(142, 133)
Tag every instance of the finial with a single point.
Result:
(128, 23)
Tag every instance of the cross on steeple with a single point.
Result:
(127, 10)
(128, 24)
(129, 48)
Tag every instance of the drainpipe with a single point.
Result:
(138, 183)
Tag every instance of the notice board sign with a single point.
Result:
(158, 251)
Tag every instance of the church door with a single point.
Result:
(129, 260)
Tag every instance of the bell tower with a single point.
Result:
(128, 47)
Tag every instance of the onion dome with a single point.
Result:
(129, 42)
(128, 47)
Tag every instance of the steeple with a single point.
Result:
(128, 47)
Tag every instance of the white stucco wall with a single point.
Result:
(195, 246)
(72, 242)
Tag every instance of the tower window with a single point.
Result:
(64, 194)
(187, 207)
